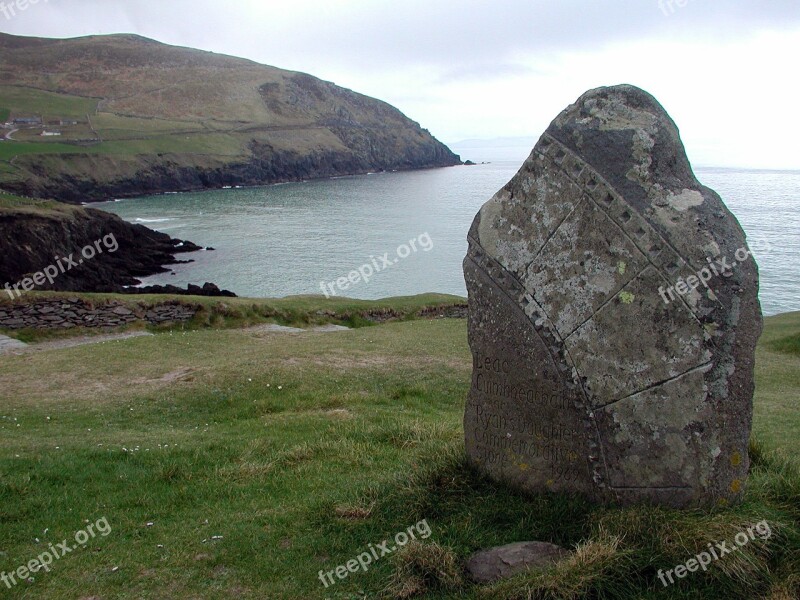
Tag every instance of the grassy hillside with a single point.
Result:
(11, 205)
(202, 118)
(238, 464)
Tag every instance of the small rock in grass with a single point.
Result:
(502, 562)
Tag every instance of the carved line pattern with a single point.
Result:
(543, 327)
(657, 251)
(658, 384)
(608, 301)
(504, 281)
(654, 247)
(571, 165)
(585, 197)
(606, 198)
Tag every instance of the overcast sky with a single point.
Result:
(726, 70)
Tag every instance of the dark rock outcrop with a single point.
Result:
(87, 250)
(208, 289)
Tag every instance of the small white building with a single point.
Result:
(50, 133)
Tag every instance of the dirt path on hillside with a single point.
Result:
(16, 347)
(11, 346)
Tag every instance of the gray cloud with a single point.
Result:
(482, 68)
(451, 34)
(486, 71)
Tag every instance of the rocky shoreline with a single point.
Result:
(151, 175)
(58, 247)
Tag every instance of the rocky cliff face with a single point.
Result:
(136, 116)
(73, 181)
(84, 250)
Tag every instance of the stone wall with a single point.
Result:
(457, 311)
(66, 313)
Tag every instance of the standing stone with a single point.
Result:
(601, 364)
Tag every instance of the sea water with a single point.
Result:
(295, 238)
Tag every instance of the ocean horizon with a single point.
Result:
(299, 238)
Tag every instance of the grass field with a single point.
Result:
(12, 204)
(121, 135)
(231, 463)
(28, 102)
(10, 149)
(112, 126)
(212, 144)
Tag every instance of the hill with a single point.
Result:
(111, 116)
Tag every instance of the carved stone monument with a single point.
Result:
(613, 317)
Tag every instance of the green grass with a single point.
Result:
(787, 345)
(12, 202)
(122, 135)
(213, 144)
(10, 149)
(112, 126)
(4, 114)
(7, 170)
(302, 449)
(26, 102)
(777, 417)
(210, 144)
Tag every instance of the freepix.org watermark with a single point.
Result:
(11, 9)
(62, 265)
(377, 264)
(716, 268)
(375, 552)
(716, 551)
(669, 7)
(55, 552)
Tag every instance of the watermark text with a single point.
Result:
(55, 552)
(62, 265)
(375, 552)
(668, 7)
(376, 265)
(718, 267)
(715, 551)
(11, 9)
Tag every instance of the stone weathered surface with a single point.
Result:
(502, 562)
(587, 376)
